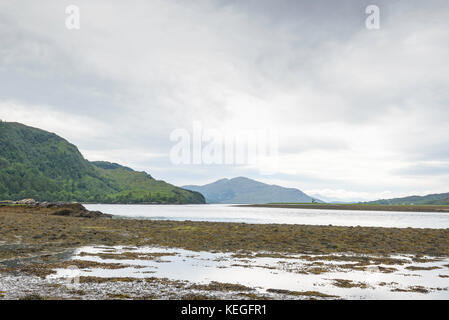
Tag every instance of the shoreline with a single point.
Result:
(359, 207)
(39, 226)
(33, 244)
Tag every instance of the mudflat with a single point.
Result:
(37, 230)
(34, 242)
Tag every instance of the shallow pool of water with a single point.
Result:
(292, 272)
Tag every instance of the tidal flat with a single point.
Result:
(147, 259)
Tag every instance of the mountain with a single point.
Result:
(435, 199)
(242, 190)
(38, 164)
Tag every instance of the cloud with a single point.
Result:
(424, 169)
(346, 195)
(357, 110)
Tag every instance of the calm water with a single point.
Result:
(229, 213)
(266, 273)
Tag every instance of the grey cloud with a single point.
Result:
(144, 69)
(424, 170)
(306, 144)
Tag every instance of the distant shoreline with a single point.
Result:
(360, 207)
(49, 229)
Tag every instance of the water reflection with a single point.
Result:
(288, 272)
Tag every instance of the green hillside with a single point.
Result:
(431, 199)
(38, 164)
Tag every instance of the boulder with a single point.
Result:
(27, 201)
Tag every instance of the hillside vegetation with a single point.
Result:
(430, 199)
(38, 164)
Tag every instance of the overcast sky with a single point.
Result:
(360, 114)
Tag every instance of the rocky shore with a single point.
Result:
(36, 239)
(50, 208)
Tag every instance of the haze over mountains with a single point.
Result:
(242, 190)
(38, 164)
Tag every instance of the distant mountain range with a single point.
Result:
(242, 190)
(38, 164)
(435, 199)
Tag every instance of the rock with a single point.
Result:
(27, 201)
(54, 208)
(78, 210)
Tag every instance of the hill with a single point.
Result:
(242, 190)
(432, 199)
(38, 164)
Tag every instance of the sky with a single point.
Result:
(357, 113)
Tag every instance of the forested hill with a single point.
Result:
(38, 164)
(432, 199)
